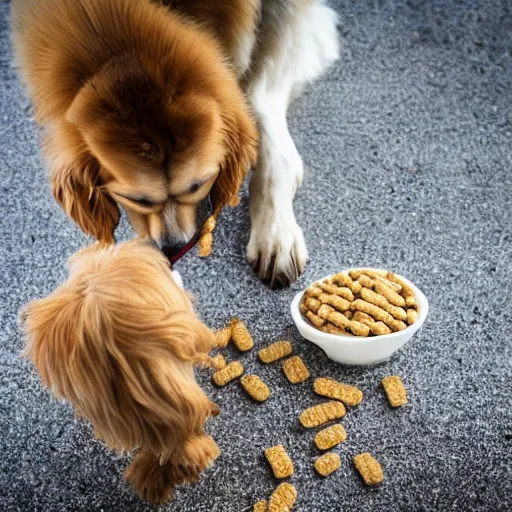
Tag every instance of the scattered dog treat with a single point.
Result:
(261, 506)
(219, 362)
(369, 469)
(322, 413)
(206, 240)
(255, 387)
(395, 390)
(361, 303)
(276, 351)
(280, 462)
(229, 373)
(283, 498)
(331, 388)
(330, 437)
(295, 370)
(241, 336)
(327, 463)
(223, 336)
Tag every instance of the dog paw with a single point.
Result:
(198, 453)
(152, 481)
(277, 250)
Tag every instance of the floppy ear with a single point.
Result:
(76, 189)
(241, 141)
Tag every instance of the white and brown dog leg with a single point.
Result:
(300, 42)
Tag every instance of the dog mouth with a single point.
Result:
(175, 247)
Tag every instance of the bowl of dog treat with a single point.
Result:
(360, 316)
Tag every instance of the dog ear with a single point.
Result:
(76, 189)
(241, 141)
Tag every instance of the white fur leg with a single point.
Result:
(276, 248)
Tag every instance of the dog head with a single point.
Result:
(119, 340)
(160, 135)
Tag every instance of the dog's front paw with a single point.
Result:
(276, 250)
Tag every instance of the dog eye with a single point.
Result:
(148, 150)
(195, 187)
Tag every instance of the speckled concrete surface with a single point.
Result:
(408, 145)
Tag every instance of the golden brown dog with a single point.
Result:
(138, 108)
(119, 339)
(141, 105)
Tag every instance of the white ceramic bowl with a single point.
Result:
(359, 350)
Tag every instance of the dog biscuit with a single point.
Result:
(219, 362)
(330, 437)
(332, 329)
(276, 351)
(378, 314)
(331, 388)
(412, 316)
(283, 498)
(255, 387)
(223, 336)
(345, 280)
(395, 390)
(322, 413)
(341, 291)
(390, 294)
(313, 291)
(261, 506)
(379, 300)
(280, 462)
(379, 328)
(241, 336)
(339, 320)
(315, 319)
(295, 370)
(363, 318)
(411, 302)
(229, 373)
(366, 282)
(405, 288)
(312, 303)
(356, 274)
(339, 303)
(369, 469)
(327, 463)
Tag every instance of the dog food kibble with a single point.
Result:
(219, 362)
(330, 437)
(255, 387)
(412, 316)
(280, 462)
(276, 351)
(322, 413)
(369, 469)
(361, 303)
(295, 370)
(327, 463)
(395, 390)
(222, 337)
(261, 506)
(331, 388)
(229, 373)
(241, 336)
(283, 498)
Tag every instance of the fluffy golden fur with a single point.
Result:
(139, 107)
(119, 339)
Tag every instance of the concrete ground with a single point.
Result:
(408, 149)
